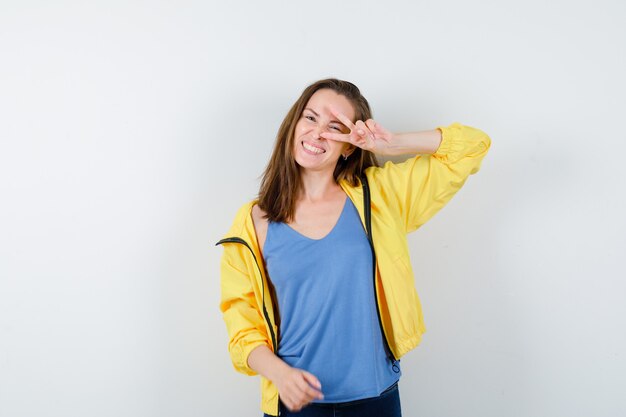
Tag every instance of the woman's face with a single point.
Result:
(311, 151)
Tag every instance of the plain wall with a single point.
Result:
(131, 131)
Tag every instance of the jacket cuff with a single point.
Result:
(239, 355)
(448, 136)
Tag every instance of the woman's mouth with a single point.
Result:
(312, 149)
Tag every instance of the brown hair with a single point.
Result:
(280, 183)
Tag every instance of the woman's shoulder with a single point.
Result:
(258, 215)
(260, 224)
(241, 220)
(249, 212)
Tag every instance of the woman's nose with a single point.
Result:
(317, 130)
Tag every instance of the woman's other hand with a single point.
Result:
(297, 388)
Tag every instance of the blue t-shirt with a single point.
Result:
(328, 320)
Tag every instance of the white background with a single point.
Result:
(131, 131)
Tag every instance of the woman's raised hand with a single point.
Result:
(297, 388)
(367, 135)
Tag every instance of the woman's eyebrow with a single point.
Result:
(312, 111)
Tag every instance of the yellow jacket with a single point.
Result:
(403, 197)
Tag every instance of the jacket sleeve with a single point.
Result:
(241, 312)
(420, 186)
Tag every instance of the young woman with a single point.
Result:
(317, 287)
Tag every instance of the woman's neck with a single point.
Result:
(317, 186)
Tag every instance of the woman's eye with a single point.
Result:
(337, 128)
(311, 118)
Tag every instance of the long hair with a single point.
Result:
(280, 184)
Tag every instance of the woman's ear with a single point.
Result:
(351, 148)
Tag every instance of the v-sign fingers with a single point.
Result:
(343, 119)
(365, 135)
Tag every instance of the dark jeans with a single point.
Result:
(386, 404)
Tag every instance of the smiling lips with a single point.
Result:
(312, 149)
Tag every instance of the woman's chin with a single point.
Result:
(314, 166)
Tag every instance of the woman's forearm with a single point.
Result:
(266, 363)
(424, 142)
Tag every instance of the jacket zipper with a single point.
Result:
(368, 227)
(265, 313)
